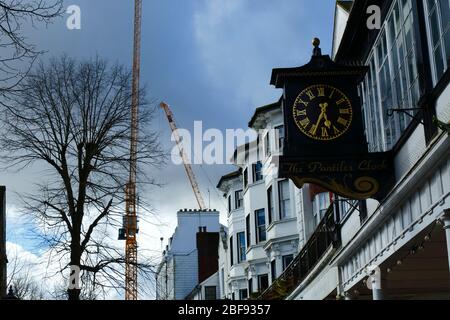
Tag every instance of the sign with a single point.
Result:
(324, 130)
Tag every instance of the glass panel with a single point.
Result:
(445, 14)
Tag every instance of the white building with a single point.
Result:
(182, 267)
(232, 254)
(207, 290)
(404, 240)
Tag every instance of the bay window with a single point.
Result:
(392, 81)
(438, 25)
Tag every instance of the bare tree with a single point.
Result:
(75, 118)
(22, 280)
(18, 54)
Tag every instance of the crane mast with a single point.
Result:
(187, 166)
(130, 221)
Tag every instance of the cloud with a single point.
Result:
(240, 41)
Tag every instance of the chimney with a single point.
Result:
(207, 248)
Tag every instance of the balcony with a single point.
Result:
(326, 235)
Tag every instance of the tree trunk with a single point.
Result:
(75, 261)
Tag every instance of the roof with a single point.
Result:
(229, 176)
(357, 38)
(318, 67)
(346, 5)
(263, 109)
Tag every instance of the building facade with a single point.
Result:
(191, 255)
(397, 248)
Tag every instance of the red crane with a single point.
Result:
(187, 166)
(130, 228)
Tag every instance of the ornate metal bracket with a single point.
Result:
(390, 113)
(349, 202)
(442, 125)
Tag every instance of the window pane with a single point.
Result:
(445, 14)
(447, 46)
(287, 260)
(261, 225)
(210, 293)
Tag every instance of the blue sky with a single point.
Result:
(211, 60)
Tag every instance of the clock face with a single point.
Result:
(322, 112)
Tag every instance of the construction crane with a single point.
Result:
(130, 227)
(187, 166)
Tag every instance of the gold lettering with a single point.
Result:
(313, 130)
(300, 112)
(341, 101)
(332, 94)
(342, 121)
(324, 132)
(305, 122)
(310, 94)
(344, 111)
(300, 101)
(321, 91)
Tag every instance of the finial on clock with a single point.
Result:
(317, 52)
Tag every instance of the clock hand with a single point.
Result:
(324, 107)
(322, 114)
(327, 122)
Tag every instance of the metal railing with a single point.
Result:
(327, 234)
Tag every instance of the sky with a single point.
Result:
(210, 60)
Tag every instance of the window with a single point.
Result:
(284, 196)
(257, 172)
(231, 251)
(210, 293)
(287, 260)
(321, 203)
(270, 207)
(245, 178)
(229, 204)
(438, 16)
(247, 226)
(267, 144)
(250, 285)
(280, 137)
(241, 246)
(260, 218)
(392, 81)
(243, 294)
(273, 270)
(238, 199)
(263, 282)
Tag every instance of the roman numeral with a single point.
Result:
(299, 113)
(310, 94)
(342, 121)
(332, 93)
(300, 101)
(313, 129)
(324, 132)
(336, 130)
(344, 111)
(305, 122)
(341, 101)
(321, 91)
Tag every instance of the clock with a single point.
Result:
(322, 112)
